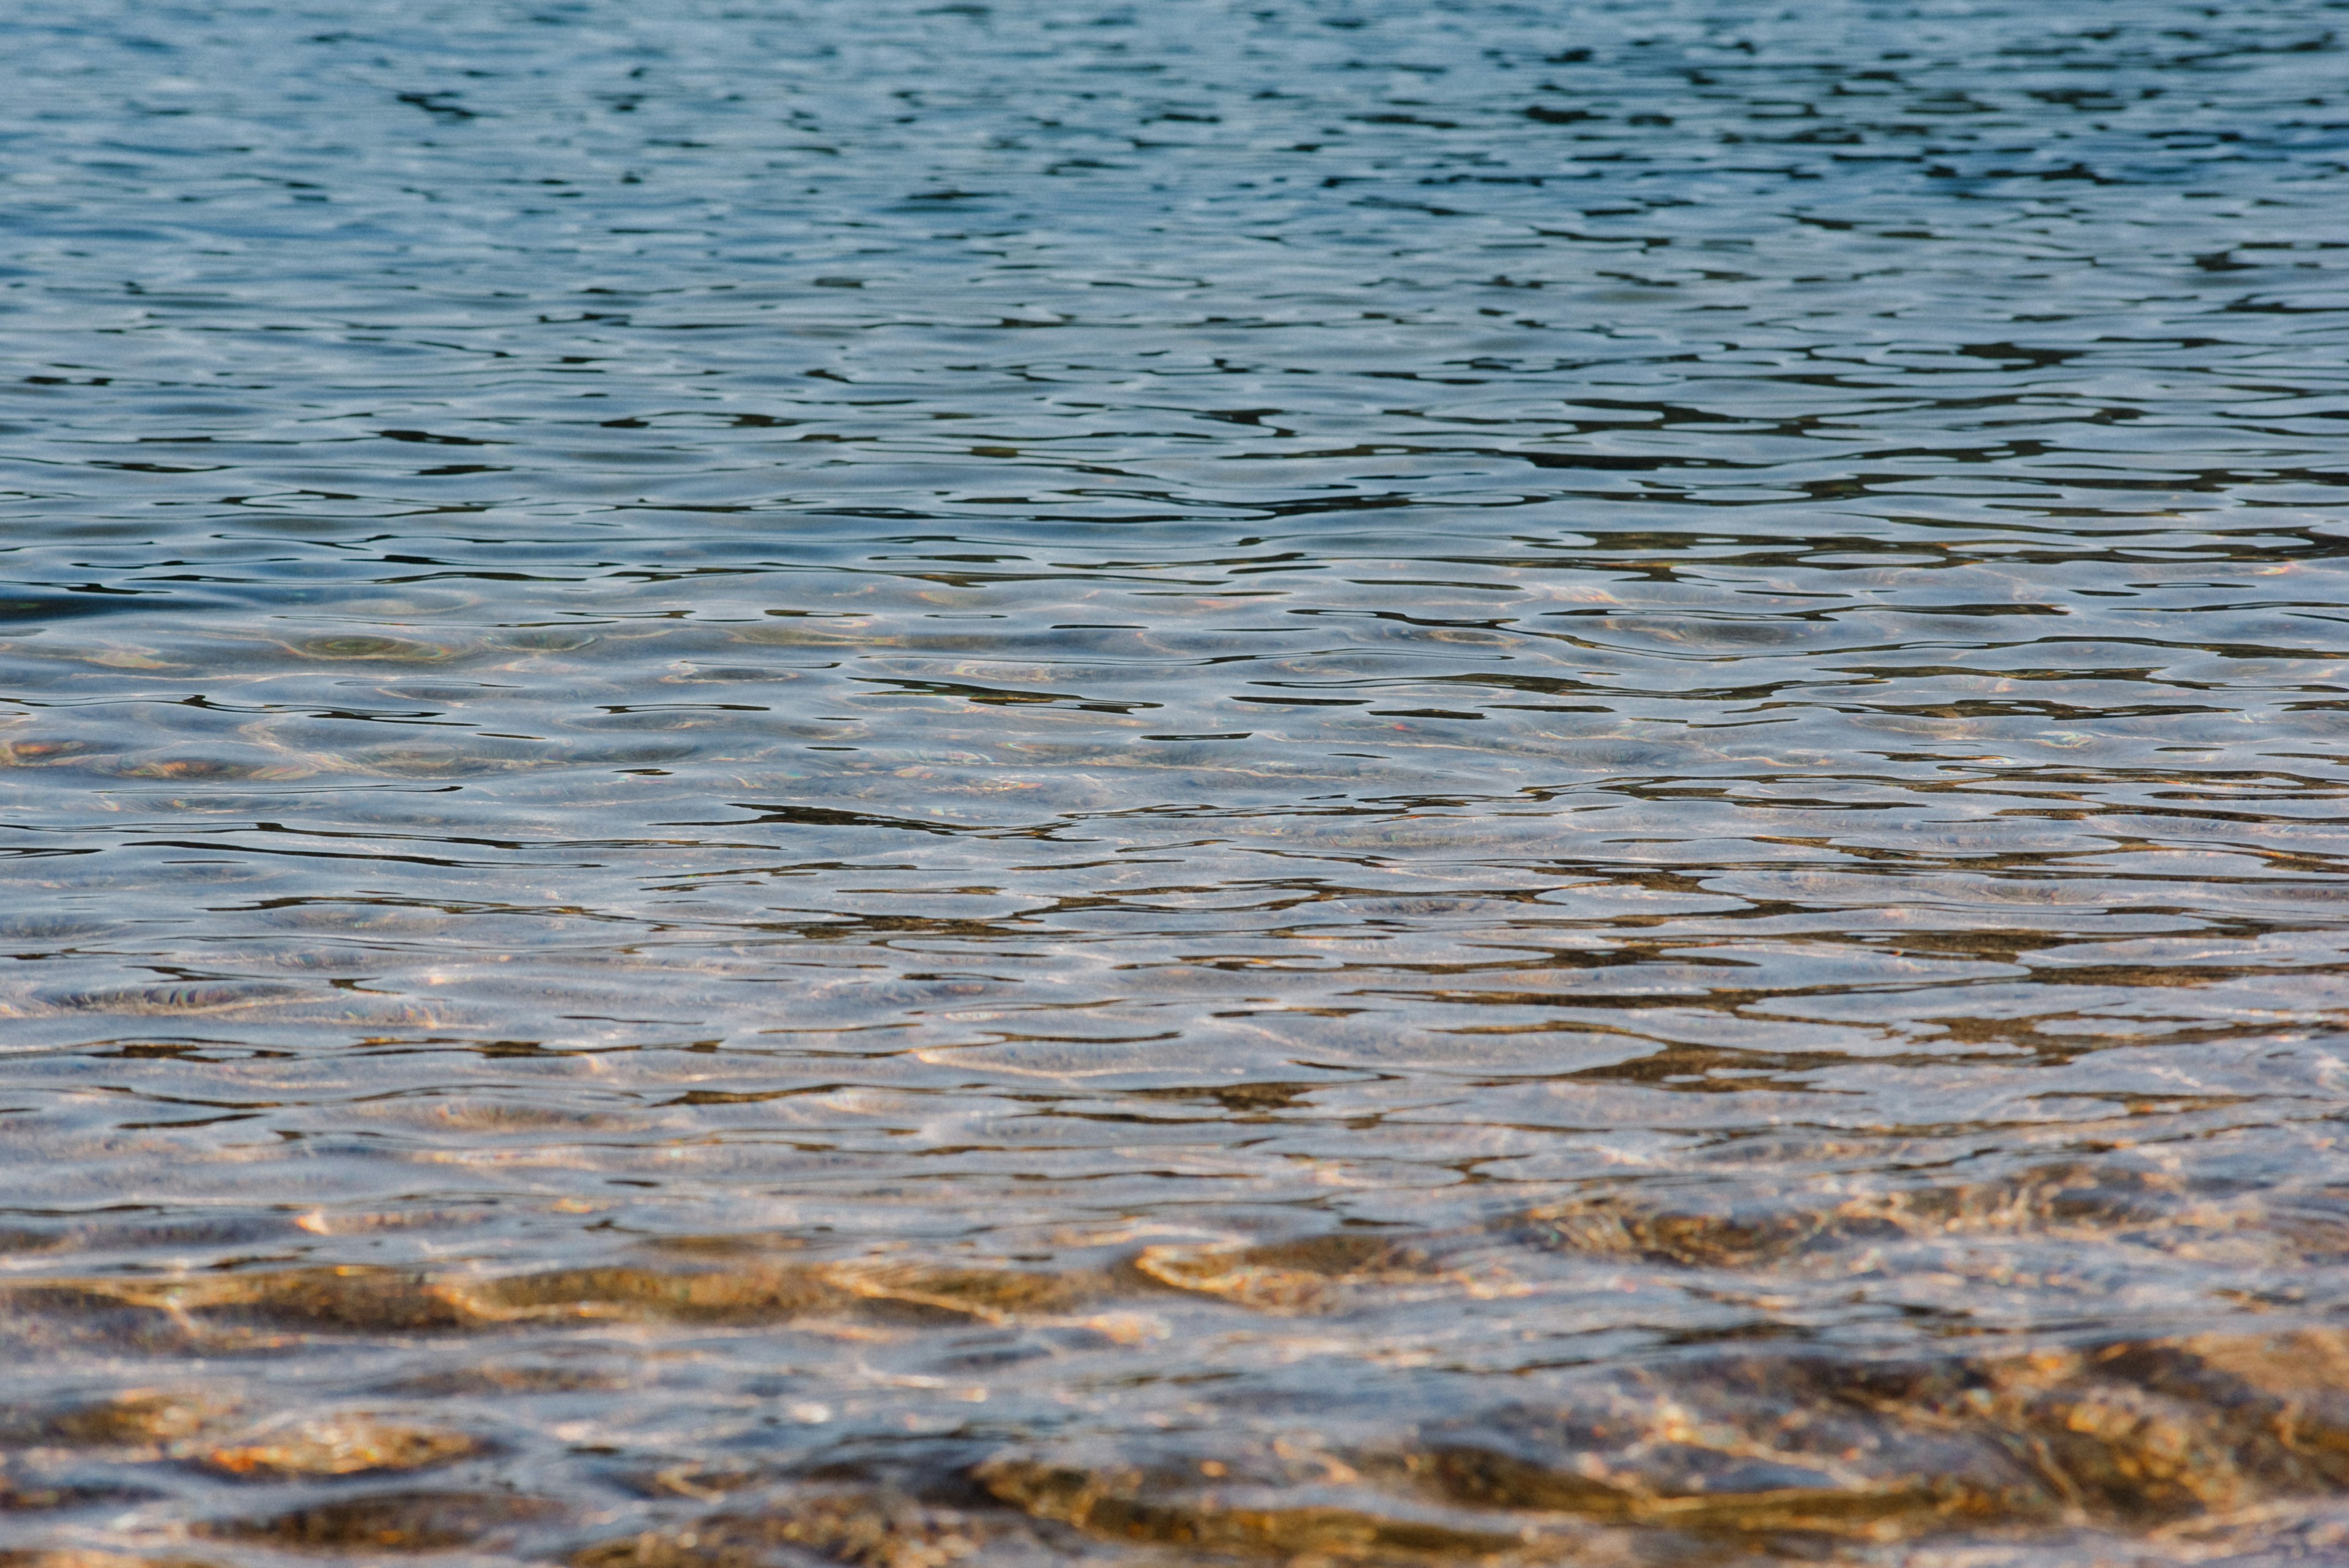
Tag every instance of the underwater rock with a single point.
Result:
(2135, 1431)
(861, 1529)
(365, 1299)
(347, 1298)
(760, 1292)
(136, 1419)
(1646, 1457)
(756, 1293)
(1204, 1507)
(340, 1445)
(36, 1497)
(989, 1295)
(1284, 1277)
(387, 1522)
(1745, 1229)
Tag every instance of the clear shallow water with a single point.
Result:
(1340, 784)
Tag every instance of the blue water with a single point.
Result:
(1347, 782)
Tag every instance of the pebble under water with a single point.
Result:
(1062, 783)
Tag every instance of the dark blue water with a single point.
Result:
(1347, 783)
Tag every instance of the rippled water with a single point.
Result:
(1329, 781)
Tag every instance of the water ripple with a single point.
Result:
(1324, 781)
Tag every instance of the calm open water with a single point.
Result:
(1323, 782)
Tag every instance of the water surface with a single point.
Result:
(1307, 782)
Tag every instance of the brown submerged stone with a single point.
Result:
(36, 1497)
(763, 1293)
(93, 1313)
(358, 1299)
(387, 1522)
(1612, 1224)
(1283, 1277)
(2076, 1199)
(753, 1294)
(349, 1298)
(990, 1295)
(340, 1445)
(136, 1418)
(863, 1529)
(2134, 1432)
(1130, 1503)
(1635, 1452)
